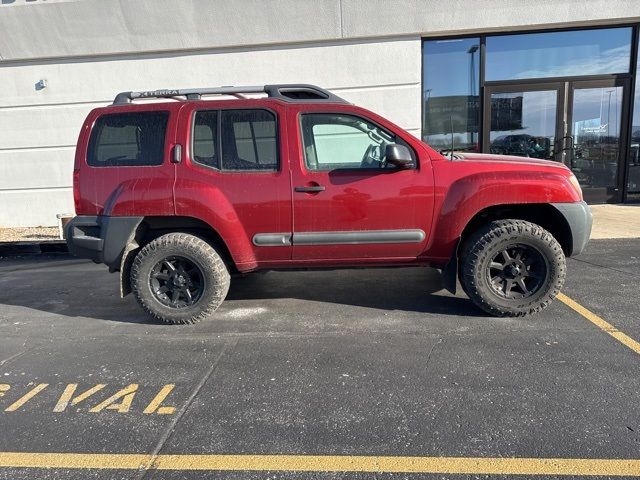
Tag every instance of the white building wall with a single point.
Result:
(38, 129)
(367, 51)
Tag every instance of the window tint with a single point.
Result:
(249, 140)
(334, 141)
(128, 139)
(205, 138)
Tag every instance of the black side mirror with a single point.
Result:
(398, 155)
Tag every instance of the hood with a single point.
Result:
(490, 157)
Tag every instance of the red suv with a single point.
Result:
(180, 194)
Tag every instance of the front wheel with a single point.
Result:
(179, 278)
(512, 268)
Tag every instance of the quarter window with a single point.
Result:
(337, 141)
(128, 140)
(205, 138)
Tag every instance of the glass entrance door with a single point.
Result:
(594, 138)
(580, 123)
(523, 120)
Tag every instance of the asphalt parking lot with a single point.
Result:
(333, 374)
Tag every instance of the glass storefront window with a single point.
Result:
(633, 182)
(450, 94)
(558, 54)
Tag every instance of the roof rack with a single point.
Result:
(291, 92)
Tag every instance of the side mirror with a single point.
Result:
(398, 155)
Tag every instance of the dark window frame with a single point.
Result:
(219, 110)
(96, 130)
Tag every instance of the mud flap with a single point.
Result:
(125, 267)
(450, 271)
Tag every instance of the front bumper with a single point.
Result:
(100, 238)
(579, 218)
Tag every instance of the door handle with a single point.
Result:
(310, 189)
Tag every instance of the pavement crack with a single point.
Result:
(230, 345)
(593, 264)
(426, 363)
(16, 355)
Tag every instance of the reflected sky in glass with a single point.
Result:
(450, 92)
(449, 69)
(558, 54)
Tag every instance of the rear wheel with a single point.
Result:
(179, 278)
(512, 268)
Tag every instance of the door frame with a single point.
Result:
(564, 110)
(623, 149)
(523, 86)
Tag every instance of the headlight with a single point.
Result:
(576, 185)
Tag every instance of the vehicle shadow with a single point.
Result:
(81, 289)
(403, 289)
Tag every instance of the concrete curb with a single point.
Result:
(19, 249)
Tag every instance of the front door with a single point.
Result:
(594, 131)
(347, 203)
(579, 123)
(524, 120)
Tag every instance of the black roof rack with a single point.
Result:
(292, 92)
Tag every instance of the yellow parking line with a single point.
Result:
(322, 463)
(600, 323)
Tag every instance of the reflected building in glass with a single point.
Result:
(564, 96)
(451, 86)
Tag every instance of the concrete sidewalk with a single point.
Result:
(615, 221)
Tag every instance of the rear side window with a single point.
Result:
(248, 140)
(128, 140)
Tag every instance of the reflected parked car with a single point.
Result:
(522, 145)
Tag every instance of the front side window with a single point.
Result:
(336, 141)
(128, 140)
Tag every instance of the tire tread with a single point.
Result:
(205, 252)
(477, 247)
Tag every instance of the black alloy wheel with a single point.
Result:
(517, 271)
(176, 282)
(511, 267)
(179, 278)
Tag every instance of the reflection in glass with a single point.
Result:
(558, 54)
(523, 123)
(595, 132)
(450, 93)
(633, 183)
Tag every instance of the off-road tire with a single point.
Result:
(199, 252)
(481, 247)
